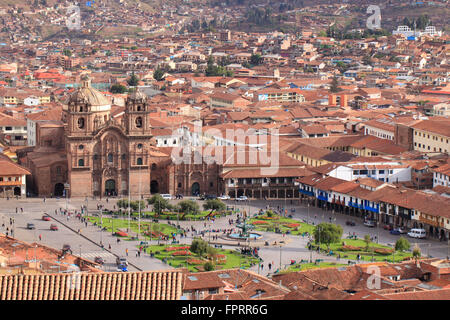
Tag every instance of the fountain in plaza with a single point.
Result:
(244, 233)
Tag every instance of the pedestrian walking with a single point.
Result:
(139, 254)
(40, 237)
(270, 266)
(126, 251)
(109, 246)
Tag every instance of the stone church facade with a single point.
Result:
(89, 153)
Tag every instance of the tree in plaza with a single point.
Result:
(327, 233)
(212, 253)
(199, 247)
(209, 266)
(134, 205)
(159, 203)
(133, 80)
(214, 204)
(402, 245)
(188, 207)
(367, 240)
(416, 252)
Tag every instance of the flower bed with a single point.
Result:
(292, 225)
(269, 218)
(195, 261)
(350, 248)
(176, 248)
(259, 222)
(121, 234)
(383, 251)
(181, 253)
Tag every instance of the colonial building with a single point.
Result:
(92, 154)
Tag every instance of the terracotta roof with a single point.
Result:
(438, 127)
(257, 173)
(443, 294)
(155, 285)
(8, 167)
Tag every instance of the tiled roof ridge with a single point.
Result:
(149, 285)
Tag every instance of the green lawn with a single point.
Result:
(123, 224)
(170, 215)
(233, 258)
(281, 224)
(365, 255)
(306, 266)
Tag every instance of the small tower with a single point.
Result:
(86, 109)
(136, 114)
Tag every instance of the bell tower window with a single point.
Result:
(81, 162)
(81, 123)
(110, 158)
(138, 122)
(139, 161)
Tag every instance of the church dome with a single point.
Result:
(88, 95)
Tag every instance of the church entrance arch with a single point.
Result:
(110, 187)
(154, 187)
(59, 190)
(195, 189)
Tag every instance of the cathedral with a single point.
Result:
(90, 153)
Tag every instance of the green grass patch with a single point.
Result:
(234, 259)
(281, 225)
(109, 223)
(366, 255)
(307, 266)
(172, 216)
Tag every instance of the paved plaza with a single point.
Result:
(87, 243)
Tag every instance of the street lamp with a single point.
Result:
(280, 258)
(307, 221)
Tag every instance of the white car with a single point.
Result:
(418, 233)
(166, 196)
(369, 223)
(242, 198)
(224, 197)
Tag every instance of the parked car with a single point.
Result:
(417, 233)
(388, 227)
(242, 198)
(31, 226)
(122, 267)
(224, 197)
(46, 218)
(369, 223)
(166, 196)
(121, 261)
(398, 231)
(99, 260)
(53, 227)
(350, 223)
